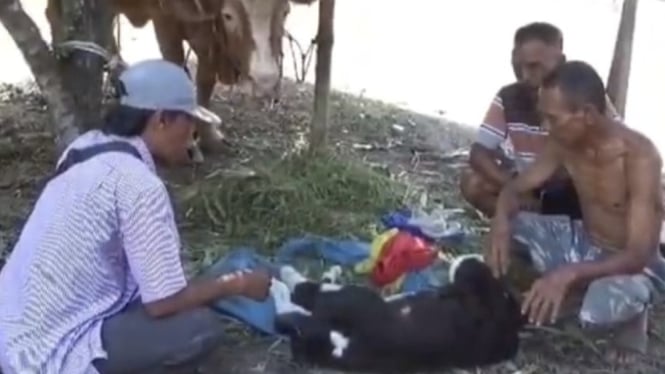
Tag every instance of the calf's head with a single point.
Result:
(472, 274)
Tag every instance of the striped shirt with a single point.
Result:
(513, 123)
(100, 235)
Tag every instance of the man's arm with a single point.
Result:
(491, 134)
(544, 166)
(152, 246)
(643, 222)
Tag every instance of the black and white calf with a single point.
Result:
(473, 321)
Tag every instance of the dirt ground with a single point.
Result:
(424, 150)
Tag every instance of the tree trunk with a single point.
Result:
(617, 82)
(82, 72)
(325, 37)
(43, 65)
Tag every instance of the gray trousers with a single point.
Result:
(553, 241)
(136, 342)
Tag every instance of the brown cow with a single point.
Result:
(235, 41)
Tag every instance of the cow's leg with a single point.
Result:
(169, 35)
(206, 78)
(198, 37)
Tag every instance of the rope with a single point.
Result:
(305, 57)
(91, 47)
(113, 63)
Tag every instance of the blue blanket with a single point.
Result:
(346, 253)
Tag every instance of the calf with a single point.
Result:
(473, 321)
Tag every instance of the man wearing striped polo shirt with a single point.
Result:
(511, 134)
(95, 283)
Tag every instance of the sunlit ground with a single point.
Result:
(447, 56)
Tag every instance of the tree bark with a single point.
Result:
(325, 38)
(83, 72)
(43, 66)
(618, 80)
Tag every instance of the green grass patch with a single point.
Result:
(323, 195)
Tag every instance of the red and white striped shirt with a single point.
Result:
(513, 122)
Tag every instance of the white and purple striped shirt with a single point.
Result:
(100, 235)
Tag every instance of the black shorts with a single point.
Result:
(559, 200)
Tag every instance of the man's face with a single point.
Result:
(568, 127)
(535, 60)
(175, 137)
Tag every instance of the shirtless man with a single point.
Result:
(612, 253)
(513, 116)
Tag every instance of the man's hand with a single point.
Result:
(543, 302)
(498, 256)
(252, 284)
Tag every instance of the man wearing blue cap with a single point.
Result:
(95, 282)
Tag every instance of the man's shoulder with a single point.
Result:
(513, 89)
(137, 182)
(518, 96)
(638, 145)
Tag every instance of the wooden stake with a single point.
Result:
(618, 80)
(325, 39)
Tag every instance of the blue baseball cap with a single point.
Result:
(158, 84)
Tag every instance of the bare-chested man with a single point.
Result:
(513, 116)
(612, 253)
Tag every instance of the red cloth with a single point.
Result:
(401, 254)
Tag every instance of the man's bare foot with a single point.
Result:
(621, 357)
(629, 342)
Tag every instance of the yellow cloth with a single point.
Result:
(367, 266)
(377, 246)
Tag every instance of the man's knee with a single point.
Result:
(205, 322)
(615, 300)
(205, 332)
(546, 238)
(133, 340)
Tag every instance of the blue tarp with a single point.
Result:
(346, 253)
(261, 315)
(403, 220)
